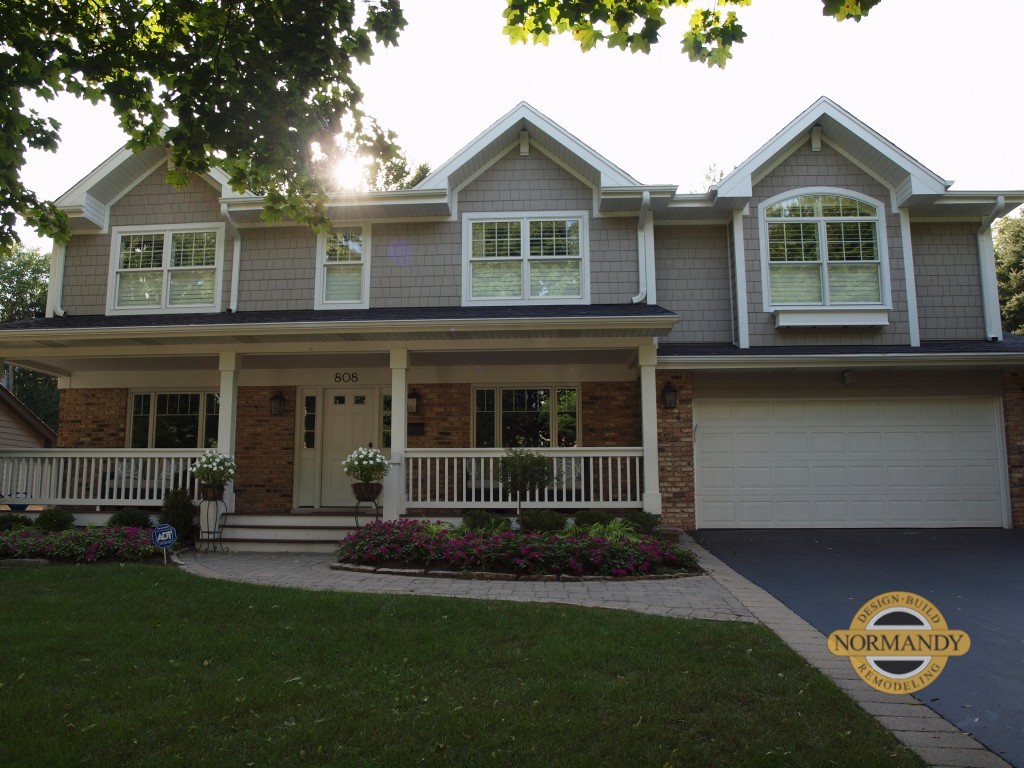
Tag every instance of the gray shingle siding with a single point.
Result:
(827, 168)
(948, 278)
(278, 269)
(692, 264)
(151, 202)
(416, 265)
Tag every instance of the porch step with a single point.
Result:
(305, 531)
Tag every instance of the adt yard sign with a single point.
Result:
(164, 536)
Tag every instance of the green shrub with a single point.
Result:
(55, 520)
(542, 520)
(644, 522)
(483, 521)
(522, 471)
(130, 517)
(588, 517)
(9, 521)
(179, 511)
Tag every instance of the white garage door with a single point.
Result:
(849, 463)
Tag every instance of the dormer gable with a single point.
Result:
(88, 203)
(825, 122)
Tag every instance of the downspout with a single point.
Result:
(641, 246)
(236, 257)
(55, 294)
(987, 266)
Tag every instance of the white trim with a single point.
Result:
(319, 302)
(611, 175)
(828, 317)
(881, 232)
(468, 219)
(166, 230)
(740, 267)
(910, 279)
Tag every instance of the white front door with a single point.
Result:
(350, 420)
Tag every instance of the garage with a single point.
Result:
(844, 463)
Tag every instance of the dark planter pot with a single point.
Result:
(211, 492)
(367, 491)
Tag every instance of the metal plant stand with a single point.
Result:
(373, 502)
(212, 516)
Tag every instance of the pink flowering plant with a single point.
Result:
(415, 543)
(80, 545)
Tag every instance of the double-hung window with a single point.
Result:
(343, 268)
(525, 259)
(174, 420)
(824, 250)
(526, 417)
(166, 269)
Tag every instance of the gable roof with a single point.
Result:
(548, 135)
(913, 182)
(26, 418)
(87, 204)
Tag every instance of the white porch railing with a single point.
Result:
(467, 478)
(87, 477)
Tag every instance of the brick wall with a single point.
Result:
(446, 413)
(610, 414)
(1013, 418)
(675, 453)
(92, 418)
(265, 450)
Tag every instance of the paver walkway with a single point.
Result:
(721, 594)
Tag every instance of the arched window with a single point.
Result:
(823, 249)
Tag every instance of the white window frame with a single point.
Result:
(524, 218)
(166, 231)
(827, 313)
(552, 388)
(319, 301)
(151, 418)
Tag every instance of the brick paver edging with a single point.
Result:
(436, 573)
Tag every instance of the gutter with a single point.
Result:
(733, 362)
(641, 246)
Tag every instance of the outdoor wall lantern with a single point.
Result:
(413, 402)
(277, 405)
(668, 395)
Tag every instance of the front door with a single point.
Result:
(350, 419)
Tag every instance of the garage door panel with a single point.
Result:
(855, 463)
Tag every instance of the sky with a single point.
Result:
(941, 79)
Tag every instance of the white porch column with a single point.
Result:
(394, 483)
(649, 418)
(228, 412)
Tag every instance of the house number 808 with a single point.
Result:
(346, 378)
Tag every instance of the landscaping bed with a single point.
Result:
(416, 544)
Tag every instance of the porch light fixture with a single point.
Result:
(668, 395)
(277, 405)
(412, 402)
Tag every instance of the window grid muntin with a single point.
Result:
(165, 269)
(342, 264)
(553, 267)
(148, 407)
(559, 404)
(839, 222)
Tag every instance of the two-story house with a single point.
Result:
(815, 341)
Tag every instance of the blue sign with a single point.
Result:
(164, 536)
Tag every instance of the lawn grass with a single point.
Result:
(132, 665)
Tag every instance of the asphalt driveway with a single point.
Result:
(974, 576)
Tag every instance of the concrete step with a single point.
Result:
(258, 545)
